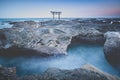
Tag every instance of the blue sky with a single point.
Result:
(69, 8)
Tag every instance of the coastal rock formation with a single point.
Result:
(7, 73)
(112, 47)
(52, 37)
(31, 40)
(25, 24)
(87, 72)
(89, 35)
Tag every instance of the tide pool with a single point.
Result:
(78, 55)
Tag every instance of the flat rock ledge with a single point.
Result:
(87, 72)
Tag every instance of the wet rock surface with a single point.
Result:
(112, 48)
(91, 35)
(7, 73)
(42, 41)
(87, 72)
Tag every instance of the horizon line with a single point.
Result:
(66, 17)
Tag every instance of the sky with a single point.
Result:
(69, 8)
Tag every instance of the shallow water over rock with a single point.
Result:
(78, 55)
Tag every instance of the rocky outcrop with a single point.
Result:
(89, 35)
(112, 47)
(52, 37)
(25, 24)
(42, 41)
(87, 72)
(7, 73)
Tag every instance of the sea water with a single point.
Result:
(78, 55)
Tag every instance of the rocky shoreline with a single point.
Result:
(87, 72)
(53, 38)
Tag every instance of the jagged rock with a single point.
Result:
(25, 24)
(112, 47)
(52, 38)
(87, 72)
(32, 41)
(89, 35)
(30, 77)
(8, 73)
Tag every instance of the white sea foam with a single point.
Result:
(5, 25)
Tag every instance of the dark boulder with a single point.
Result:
(89, 35)
(112, 48)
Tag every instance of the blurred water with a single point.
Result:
(78, 55)
(5, 25)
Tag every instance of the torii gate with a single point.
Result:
(56, 13)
